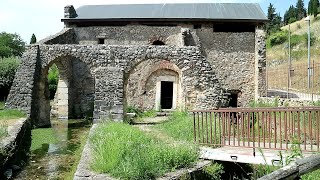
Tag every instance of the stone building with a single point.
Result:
(151, 56)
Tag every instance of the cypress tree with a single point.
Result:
(33, 39)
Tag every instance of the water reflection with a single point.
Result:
(55, 160)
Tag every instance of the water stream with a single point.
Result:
(55, 151)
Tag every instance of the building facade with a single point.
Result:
(147, 56)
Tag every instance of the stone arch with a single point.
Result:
(75, 93)
(199, 85)
(144, 82)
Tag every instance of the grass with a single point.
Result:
(42, 136)
(3, 130)
(311, 176)
(126, 152)
(179, 126)
(1, 105)
(11, 114)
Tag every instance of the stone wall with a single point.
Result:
(129, 35)
(232, 57)
(201, 89)
(15, 147)
(65, 36)
(283, 102)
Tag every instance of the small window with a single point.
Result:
(197, 26)
(158, 43)
(101, 41)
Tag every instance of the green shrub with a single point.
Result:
(214, 171)
(298, 26)
(126, 152)
(277, 38)
(312, 39)
(292, 20)
(53, 79)
(296, 39)
(8, 68)
(2, 105)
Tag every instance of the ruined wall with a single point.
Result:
(129, 35)
(201, 89)
(232, 57)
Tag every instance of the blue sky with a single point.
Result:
(43, 17)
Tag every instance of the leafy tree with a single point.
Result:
(11, 45)
(8, 67)
(33, 39)
(300, 10)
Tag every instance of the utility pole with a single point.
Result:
(289, 64)
(309, 68)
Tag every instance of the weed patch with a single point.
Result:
(126, 152)
(11, 114)
(179, 126)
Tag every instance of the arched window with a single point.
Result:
(158, 43)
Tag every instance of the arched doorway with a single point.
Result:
(74, 92)
(154, 85)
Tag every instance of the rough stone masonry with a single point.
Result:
(109, 65)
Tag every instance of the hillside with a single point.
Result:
(277, 59)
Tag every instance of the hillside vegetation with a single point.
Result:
(278, 55)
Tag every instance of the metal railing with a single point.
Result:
(266, 128)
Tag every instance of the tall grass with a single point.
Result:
(127, 153)
(179, 126)
(11, 114)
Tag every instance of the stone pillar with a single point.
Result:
(260, 63)
(108, 103)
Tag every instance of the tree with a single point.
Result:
(11, 45)
(315, 5)
(300, 10)
(290, 15)
(33, 39)
(274, 20)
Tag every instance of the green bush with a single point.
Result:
(292, 20)
(126, 152)
(312, 39)
(262, 103)
(53, 79)
(296, 39)
(214, 171)
(8, 68)
(277, 38)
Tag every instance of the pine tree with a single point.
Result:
(300, 10)
(315, 6)
(274, 20)
(33, 39)
(310, 7)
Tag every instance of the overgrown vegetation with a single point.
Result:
(53, 78)
(262, 103)
(8, 68)
(6, 114)
(3, 129)
(214, 171)
(2, 105)
(179, 126)
(124, 151)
